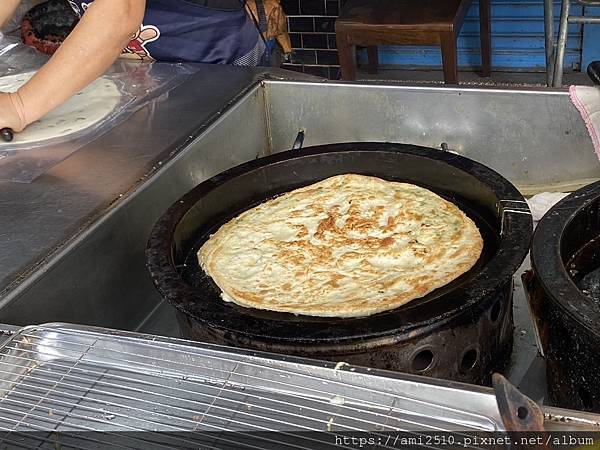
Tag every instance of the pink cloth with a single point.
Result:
(587, 101)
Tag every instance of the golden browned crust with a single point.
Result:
(348, 246)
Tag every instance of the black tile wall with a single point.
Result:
(296, 40)
(312, 7)
(327, 57)
(335, 73)
(325, 24)
(304, 57)
(332, 7)
(311, 24)
(314, 41)
(331, 41)
(301, 24)
(292, 7)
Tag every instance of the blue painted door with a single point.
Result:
(517, 40)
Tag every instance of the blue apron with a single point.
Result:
(182, 31)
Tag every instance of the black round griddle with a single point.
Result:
(561, 254)
(480, 192)
(289, 326)
(565, 257)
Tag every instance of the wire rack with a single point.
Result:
(96, 388)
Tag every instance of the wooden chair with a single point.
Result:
(408, 22)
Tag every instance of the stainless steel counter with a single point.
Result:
(39, 219)
(72, 246)
(72, 242)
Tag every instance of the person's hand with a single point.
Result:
(11, 112)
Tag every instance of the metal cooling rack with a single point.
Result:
(107, 389)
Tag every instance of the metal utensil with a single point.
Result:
(299, 141)
(519, 413)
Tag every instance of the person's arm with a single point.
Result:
(97, 40)
(7, 10)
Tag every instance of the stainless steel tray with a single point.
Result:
(96, 384)
(76, 379)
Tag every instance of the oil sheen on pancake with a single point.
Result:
(347, 246)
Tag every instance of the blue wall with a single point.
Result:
(517, 39)
(591, 39)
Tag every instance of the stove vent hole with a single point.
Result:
(495, 312)
(522, 412)
(469, 360)
(422, 361)
(586, 398)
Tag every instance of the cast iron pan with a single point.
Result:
(562, 241)
(480, 192)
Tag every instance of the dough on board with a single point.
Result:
(85, 109)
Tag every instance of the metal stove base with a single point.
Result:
(526, 368)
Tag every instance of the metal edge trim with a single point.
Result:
(336, 366)
(561, 92)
